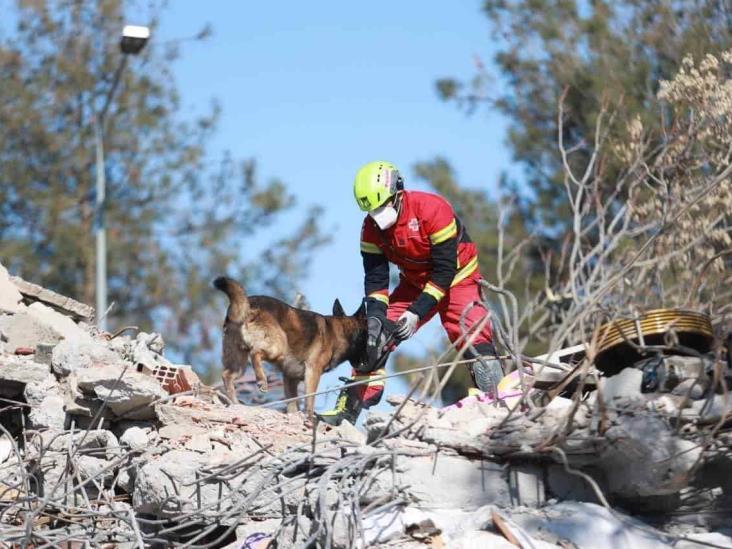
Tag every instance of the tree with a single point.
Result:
(594, 53)
(597, 59)
(176, 216)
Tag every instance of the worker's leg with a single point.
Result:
(463, 301)
(401, 298)
(370, 389)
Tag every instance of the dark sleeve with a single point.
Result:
(376, 282)
(444, 268)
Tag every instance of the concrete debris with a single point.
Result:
(453, 482)
(65, 305)
(167, 486)
(46, 402)
(18, 372)
(109, 442)
(662, 462)
(624, 386)
(64, 326)
(6, 447)
(128, 394)
(24, 330)
(10, 299)
(70, 356)
(135, 438)
(589, 526)
(38, 325)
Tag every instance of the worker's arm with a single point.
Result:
(444, 268)
(376, 276)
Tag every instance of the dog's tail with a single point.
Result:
(238, 302)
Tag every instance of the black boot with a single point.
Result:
(348, 406)
(486, 370)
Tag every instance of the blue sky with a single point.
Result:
(312, 90)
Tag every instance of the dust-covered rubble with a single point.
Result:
(97, 448)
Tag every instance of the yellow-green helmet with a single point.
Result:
(375, 183)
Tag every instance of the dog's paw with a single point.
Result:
(262, 386)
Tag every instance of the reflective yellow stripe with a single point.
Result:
(466, 271)
(444, 233)
(376, 373)
(381, 297)
(434, 291)
(369, 248)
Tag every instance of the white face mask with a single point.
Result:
(384, 216)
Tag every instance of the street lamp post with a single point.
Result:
(133, 40)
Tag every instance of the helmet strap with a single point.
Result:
(397, 201)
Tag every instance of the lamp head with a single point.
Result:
(134, 39)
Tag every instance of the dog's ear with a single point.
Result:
(361, 312)
(338, 308)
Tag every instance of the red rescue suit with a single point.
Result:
(438, 266)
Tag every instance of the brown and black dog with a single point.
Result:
(302, 344)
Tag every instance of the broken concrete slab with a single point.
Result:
(84, 413)
(24, 330)
(46, 400)
(6, 447)
(624, 385)
(38, 324)
(135, 438)
(346, 431)
(172, 483)
(94, 442)
(69, 356)
(705, 539)
(280, 430)
(526, 484)
(16, 369)
(175, 431)
(662, 463)
(563, 486)
(588, 526)
(62, 325)
(65, 305)
(100, 471)
(444, 481)
(11, 301)
(709, 410)
(479, 539)
(127, 393)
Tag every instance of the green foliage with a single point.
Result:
(176, 217)
(599, 53)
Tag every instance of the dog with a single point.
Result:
(302, 344)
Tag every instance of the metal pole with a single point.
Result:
(99, 227)
(100, 232)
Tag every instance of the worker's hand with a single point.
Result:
(375, 325)
(378, 343)
(374, 342)
(406, 325)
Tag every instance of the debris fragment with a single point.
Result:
(105, 441)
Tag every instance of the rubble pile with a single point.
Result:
(103, 441)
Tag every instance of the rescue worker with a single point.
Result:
(438, 274)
